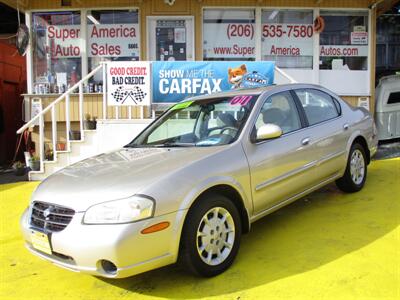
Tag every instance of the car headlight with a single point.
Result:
(120, 211)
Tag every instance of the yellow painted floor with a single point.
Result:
(328, 245)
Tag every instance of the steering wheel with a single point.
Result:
(234, 129)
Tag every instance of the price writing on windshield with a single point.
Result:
(241, 100)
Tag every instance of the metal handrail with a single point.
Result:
(59, 99)
(52, 107)
(284, 74)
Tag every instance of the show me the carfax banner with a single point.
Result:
(176, 80)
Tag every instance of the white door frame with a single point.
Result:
(189, 35)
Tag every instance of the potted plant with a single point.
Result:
(19, 168)
(60, 146)
(89, 123)
(34, 163)
(94, 122)
(74, 135)
(49, 154)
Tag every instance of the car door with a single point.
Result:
(283, 167)
(329, 129)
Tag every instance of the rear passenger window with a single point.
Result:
(394, 98)
(318, 105)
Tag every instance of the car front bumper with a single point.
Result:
(82, 248)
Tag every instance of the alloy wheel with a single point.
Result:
(215, 236)
(357, 167)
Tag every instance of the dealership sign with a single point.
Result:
(113, 40)
(104, 40)
(128, 83)
(233, 40)
(343, 51)
(63, 41)
(175, 81)
(359, 38)
(287, 39)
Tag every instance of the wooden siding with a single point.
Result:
(92, 104)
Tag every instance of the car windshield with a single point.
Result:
(207, 122)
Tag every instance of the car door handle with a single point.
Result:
(305, 141)
(345, 126)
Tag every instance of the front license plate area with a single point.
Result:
(40, 241)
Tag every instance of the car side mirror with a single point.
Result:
(268, 131)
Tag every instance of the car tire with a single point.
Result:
(355, 175)
(211, 236)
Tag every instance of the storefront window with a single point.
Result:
(228, 34)
(56, 51)
(112, 35)
(387, 45)
(344, 41)
(287, 37)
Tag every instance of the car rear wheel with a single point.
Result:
(211, 236)
(355, 175)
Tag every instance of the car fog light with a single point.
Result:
(108, 266)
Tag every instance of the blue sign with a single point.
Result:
(177, 80)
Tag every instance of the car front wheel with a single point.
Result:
(211, 236)
(355, 175)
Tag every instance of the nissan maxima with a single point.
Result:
(188, 186)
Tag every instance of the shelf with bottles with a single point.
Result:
(47, 88)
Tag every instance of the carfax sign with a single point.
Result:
(175, 81)
(128, 83)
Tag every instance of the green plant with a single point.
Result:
(19, 168)
(18, 165)
(90, 122)
(34, 163)
(49, 154)
(34, 158)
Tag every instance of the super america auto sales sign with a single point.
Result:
(65, 41)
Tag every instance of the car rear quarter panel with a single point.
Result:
(361, 124)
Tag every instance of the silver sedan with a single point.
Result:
(194, 180)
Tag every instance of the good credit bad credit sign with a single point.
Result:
(128, 83)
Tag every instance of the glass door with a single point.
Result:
(170, 38)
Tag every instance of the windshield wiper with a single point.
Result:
(135, 146)
(163, 145)
(172, 144)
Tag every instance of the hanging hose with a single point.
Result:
(319, 24)
(26, 136)
(17, 145)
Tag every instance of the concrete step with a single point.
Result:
(78, 150)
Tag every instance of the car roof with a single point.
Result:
(254, 91)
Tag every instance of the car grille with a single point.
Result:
(50, 217)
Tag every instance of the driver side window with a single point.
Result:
(280, 109)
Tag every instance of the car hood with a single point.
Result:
(115, 175)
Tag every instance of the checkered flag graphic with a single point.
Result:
(136, 94)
